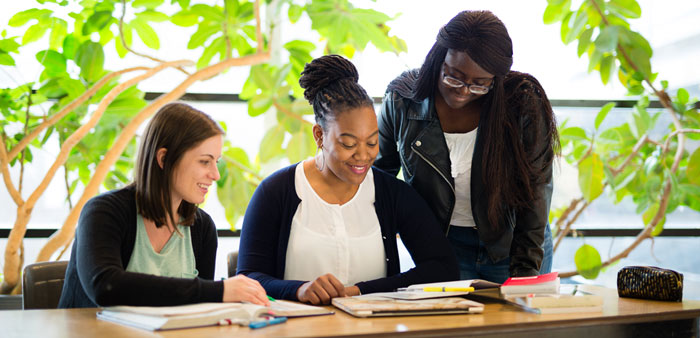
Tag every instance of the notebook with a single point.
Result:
(371, 305)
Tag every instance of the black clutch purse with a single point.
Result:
(650, 282)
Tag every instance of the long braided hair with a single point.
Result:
(331, 87)
(509, 177)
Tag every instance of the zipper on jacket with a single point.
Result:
(405, 167)
(443, 176)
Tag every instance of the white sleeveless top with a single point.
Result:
(461, 148)
(344, 240)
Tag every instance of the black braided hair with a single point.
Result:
(331, 87)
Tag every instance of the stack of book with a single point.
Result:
(542, 294)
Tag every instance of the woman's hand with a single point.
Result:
(321, 290)
(352, 291)
(243, 289)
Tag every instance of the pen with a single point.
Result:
(263, 323)
(271, 299)
(439, 289)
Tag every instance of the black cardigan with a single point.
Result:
(104, 240)
(268, 220)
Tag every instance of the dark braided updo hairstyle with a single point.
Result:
(509, 177)
(331, 87)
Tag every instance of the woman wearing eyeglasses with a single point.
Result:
(477, 141)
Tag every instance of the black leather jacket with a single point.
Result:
(411, 138)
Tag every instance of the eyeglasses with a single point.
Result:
(457, 83)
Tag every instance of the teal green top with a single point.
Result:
(176, 259)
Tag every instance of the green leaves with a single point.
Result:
(603, 113)
(185, 18)
(8, 46)
(53, 62)
(96, 22)
(21, 18)
(588, 262)
(607, 39)
(590, 177)
(649, 215)
(348, 28)
(301, 146)
(555, 11)
(236, 185)
(576, 28)
(693, 169)
(90, 58)
(294, 12)
(626, 8)
(271, 144)
(146, 33)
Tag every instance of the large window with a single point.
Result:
(670, 27)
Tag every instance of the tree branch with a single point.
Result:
(258, 30)
(78, 135)
(65, 233)
(673, 134)
(637, 147)
(24, 152)
(226, 37)
(67, 109)
(663, 205)
(289, 113)
(243, 168)
(565, 214)
(563, 233)
(5, 168)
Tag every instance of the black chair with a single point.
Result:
(232, 261)
(42, 283)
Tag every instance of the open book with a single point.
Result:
(204, 314)
(182, 316)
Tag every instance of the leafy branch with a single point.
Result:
(624, 159)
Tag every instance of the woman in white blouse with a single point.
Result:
(327, 227)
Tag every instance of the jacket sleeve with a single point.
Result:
(420, 232)
(258, 255)
(528, 236)
(205, 248)
(103, 275)
(388, 157)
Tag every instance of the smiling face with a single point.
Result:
(196, 171)
(350, 144)
(460, 66)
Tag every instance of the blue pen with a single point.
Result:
(263, 323)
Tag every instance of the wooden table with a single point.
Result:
(621, 317)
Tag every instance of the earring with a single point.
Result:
(323, 159)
